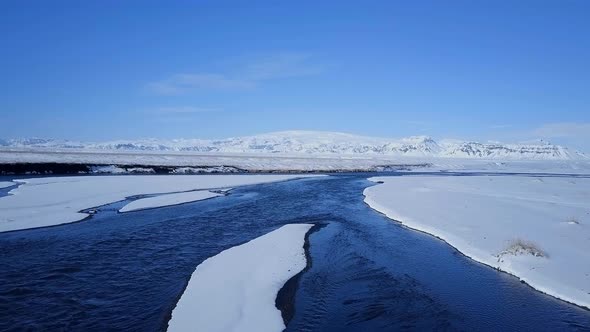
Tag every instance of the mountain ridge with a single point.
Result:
(319, 143)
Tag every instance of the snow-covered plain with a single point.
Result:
(236, 289)
(5, 184)
(168, 199)
(40, 202)
(536, 228)
(185, 161)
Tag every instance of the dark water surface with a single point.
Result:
(126, 271)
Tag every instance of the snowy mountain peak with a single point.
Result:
(321, 143)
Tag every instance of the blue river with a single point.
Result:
(116, 272)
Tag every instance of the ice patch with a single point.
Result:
(112, 169)
(236, 289)
(167, 200)
(210, 169)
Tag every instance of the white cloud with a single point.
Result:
(571, 134)
(563, 130)
(251, 74)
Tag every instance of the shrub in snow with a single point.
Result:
(573, 221)
(521, 247)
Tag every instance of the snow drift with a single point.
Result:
(236, 289)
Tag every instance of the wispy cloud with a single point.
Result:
(248, 76)
(184, 110)
(419, 123)
(185, 83)
(572, 134)
(563, 130)
(281, 66)
(501, 126)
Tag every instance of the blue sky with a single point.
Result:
(485, 70)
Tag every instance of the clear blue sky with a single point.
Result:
(486, 70)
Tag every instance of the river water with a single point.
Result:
(126, 271)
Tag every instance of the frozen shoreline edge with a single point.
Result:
(129, 206)
(285, 300)
(539, 288)
(70, 168)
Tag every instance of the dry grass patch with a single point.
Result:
(573, 221)
(519, 247)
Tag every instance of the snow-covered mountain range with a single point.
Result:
(319, 143)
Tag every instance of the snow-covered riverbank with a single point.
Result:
(537, 228)
(236, 289)
(41, 202)
(168, 199)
